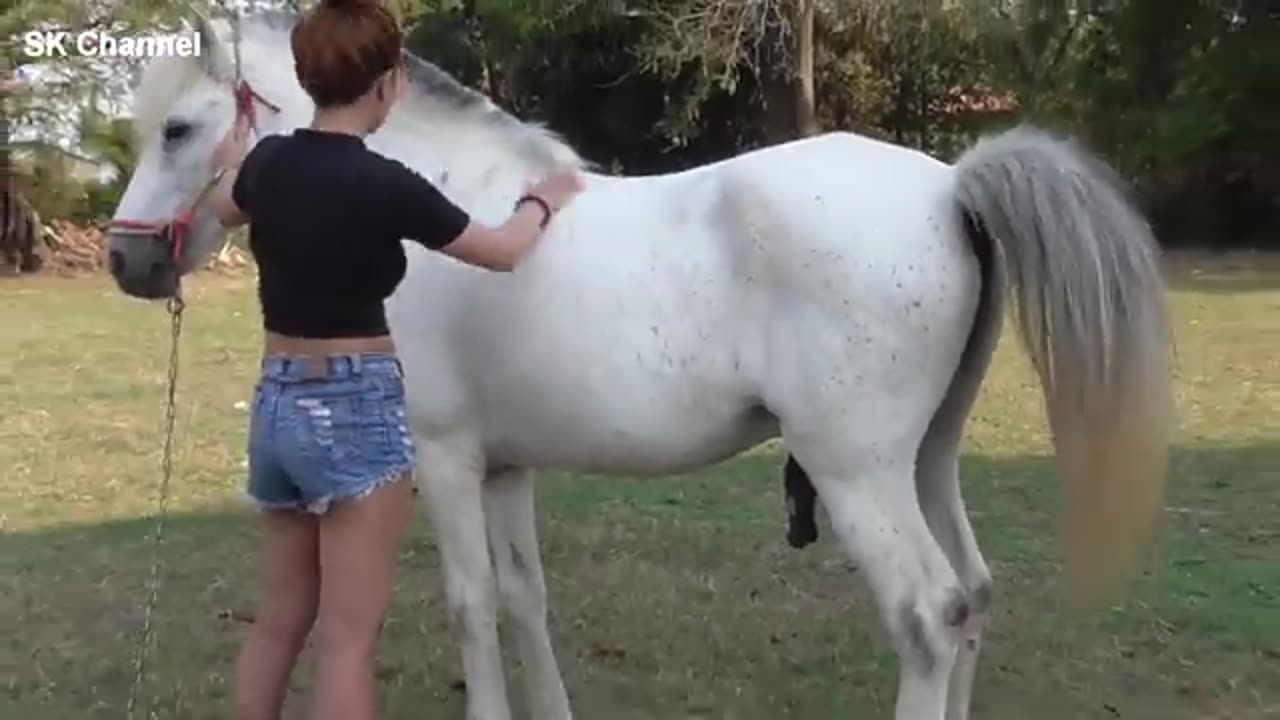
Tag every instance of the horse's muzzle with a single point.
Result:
(143, 263)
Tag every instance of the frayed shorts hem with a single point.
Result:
(322, 505)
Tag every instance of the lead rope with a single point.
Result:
(175, 307)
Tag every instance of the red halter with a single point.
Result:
(175, 231)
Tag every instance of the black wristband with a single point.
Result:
(546, 209)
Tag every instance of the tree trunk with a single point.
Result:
(806, 102)
(475, 29)
(787, 75)
(8, 182)
(20, 228)
(776, 88)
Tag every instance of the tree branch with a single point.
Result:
(44, 145)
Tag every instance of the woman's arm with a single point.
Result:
(502, 247)
(227, 196)
(423, 213)
(222, 199)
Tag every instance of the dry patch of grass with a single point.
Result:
(671, 599)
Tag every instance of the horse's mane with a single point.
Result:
(434, 93)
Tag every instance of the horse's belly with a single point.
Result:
(637, 392)
(604, 435)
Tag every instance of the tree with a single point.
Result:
(806, 101)
(46, 99)
(717, 42)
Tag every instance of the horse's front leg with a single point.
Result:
(451, 478)
(513, 542)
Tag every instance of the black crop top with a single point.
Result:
(326, 216)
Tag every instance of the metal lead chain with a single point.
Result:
(175, 307)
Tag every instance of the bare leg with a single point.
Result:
(451, 477)
(291, 573)
(513, 540)
(358, 550)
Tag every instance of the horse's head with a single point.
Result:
(162, 227)
(185, 106)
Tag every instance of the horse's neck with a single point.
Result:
(469, 162)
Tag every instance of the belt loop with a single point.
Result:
(355, 364)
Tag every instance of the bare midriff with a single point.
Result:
(277, 344)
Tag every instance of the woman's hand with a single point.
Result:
(227, 156)
(558, 189)
(234, 146)
(502, 247)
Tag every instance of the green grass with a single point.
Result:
(671, 598)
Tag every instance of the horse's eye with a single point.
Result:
(176, 130)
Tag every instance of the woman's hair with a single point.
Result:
(341, 47)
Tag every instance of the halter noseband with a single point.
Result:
(175, 231)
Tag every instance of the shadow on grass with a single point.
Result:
(1224, 274)
(678, 598)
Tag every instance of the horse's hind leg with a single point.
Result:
(865, 480)
(513, 542)
(938, 483)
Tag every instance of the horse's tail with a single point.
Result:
(1084, 272)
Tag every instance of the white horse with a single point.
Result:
(837, 292)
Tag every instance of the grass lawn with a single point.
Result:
(671, 598)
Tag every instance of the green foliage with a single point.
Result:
(67, 81)
(713, 47)
(112, 141)
(1173, 92)
(1178, 94)
(1181, 93)
(904, 72)
(65, 107)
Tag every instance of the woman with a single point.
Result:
(328, 451)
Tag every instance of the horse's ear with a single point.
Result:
(215, 57)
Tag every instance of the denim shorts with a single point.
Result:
(327, 430)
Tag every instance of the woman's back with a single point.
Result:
(328, 216)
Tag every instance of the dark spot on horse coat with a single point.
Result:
(518, 561)
(802, 526)
(956, 612)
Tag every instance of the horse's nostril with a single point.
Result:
(115, 262)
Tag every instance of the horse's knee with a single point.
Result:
(956, 609)
(927, 632)
(524, 598)
(981, 596)
(472, 607)
(979, 603)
